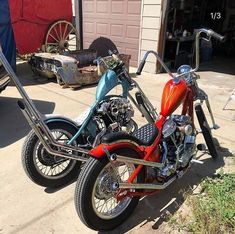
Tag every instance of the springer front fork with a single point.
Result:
(214, 125)
(202, 96)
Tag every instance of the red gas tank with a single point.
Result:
(172, 96)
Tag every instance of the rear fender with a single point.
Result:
(98, 152)
(60, 118)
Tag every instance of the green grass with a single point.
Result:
(213, 209)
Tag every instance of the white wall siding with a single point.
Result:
(149, 32)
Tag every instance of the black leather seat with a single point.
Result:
(143, 136)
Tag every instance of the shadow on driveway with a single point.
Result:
(28, 78)
(13, 125)
(153, 208)
(156, 207)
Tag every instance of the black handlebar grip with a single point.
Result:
(141, 66)
(216, 35)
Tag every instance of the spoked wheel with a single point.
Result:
(62, 36)
(95, 195)
(206, 131)
(45, 169)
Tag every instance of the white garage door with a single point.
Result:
(118, 20)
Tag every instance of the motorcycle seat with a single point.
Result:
(145, 135)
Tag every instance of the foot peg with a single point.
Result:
(215, 127)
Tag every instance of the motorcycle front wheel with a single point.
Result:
(45, 169)
(95, 198)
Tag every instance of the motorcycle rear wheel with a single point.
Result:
(45, 169)
(94, 192)
(206, 131)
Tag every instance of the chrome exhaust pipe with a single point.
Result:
(64, 154)
(34, 118)
(119, 158)
(43, 133)
(145, 186)
(60, 153)
(149, 186)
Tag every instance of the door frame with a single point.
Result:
(162, 33)
(79, 20)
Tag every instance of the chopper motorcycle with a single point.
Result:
(56, 147)
(125, 167)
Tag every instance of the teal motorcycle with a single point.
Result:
(55, 149)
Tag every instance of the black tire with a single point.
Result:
(84, 190)
(33, 171)
(206, 131)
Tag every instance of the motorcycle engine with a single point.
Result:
(178, 145)
(117, 114)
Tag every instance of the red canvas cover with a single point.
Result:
(31, 20)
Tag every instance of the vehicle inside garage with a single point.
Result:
(183, 20)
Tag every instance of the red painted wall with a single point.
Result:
(31, 20)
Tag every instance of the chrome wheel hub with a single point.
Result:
(50, 165)
(63, 44)
(104, 188)
(104, 200)
(44, 157)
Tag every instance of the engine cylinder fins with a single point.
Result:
(182, 119)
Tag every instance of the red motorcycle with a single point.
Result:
(125, 167)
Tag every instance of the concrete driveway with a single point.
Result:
(28, 208)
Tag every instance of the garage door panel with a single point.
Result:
(119, 48)
(89, 6)
(132, 43)
(117, 30)
(134, 8)
(118, 20)
(87, 44)
(103, 7)
(115, 16)
(122, 48)
(89, 27)
(132, 32)
(102, 28)
(133, 52)
(117, 7)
